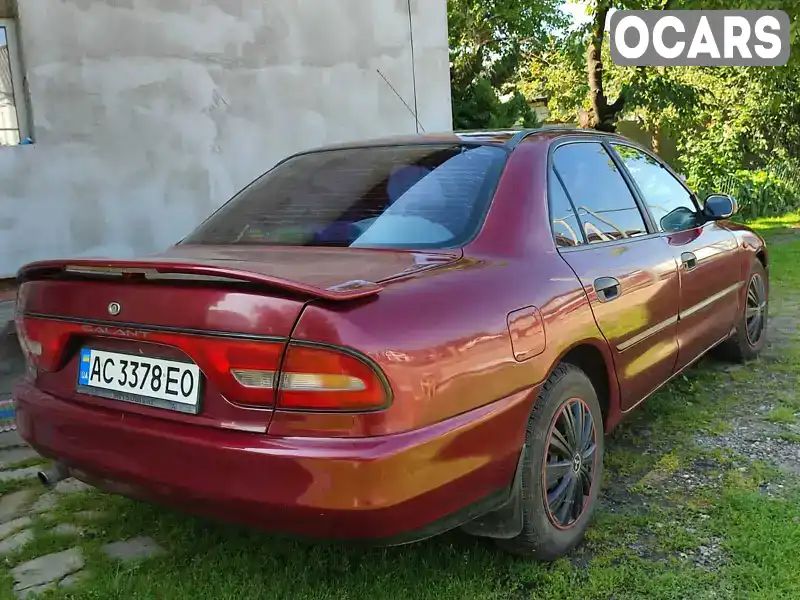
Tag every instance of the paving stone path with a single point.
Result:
(133, 549)
(11, 366)
(47, 572)
(6, 311)
(13, 455)
(20, 509)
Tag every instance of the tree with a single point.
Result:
(576, 74)
(643, 85)
(669, 98)
(723, 119)
(488, 42)
(638, 86)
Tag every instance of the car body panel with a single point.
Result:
(369, 488)
(709, 295)
(438, 361)
(187, 308)
(752, 249)
(641, 323)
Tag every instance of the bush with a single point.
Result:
(762, 193)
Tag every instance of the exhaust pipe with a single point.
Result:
(53, 475)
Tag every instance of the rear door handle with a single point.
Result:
(689, 261)
(607, 289)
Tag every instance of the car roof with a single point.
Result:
(508, 138)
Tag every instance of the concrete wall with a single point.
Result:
(148, 114)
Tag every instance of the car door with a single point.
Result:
(629, 274)
(707, 254)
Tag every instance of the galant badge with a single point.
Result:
(114, 309)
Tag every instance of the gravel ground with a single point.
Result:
(747, 435)
(758, 441)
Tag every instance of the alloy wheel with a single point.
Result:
(756, 309)
(570, 463)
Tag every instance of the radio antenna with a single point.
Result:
(413, 63)
(396, 93)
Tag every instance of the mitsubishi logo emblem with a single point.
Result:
(576, 463)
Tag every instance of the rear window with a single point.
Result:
(414, 196)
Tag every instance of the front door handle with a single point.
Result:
(689, 261)
(607, 289)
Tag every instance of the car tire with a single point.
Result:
(745, 343)
(551, 531)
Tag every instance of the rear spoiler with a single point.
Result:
(160, 269)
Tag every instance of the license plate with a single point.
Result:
(168, 384)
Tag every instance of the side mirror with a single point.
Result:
(720, 206)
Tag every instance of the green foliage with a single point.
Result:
(763, 192)
(489, 40)
(558, 73)
(479, 106)
(732, 125)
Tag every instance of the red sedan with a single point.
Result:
(386, 340)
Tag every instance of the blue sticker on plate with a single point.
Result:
(86, 363)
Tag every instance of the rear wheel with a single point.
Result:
(563, 467)
(750, 335)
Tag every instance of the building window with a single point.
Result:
(13, 115)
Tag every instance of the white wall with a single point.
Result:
(148, 114)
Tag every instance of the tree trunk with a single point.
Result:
(603, 116)
(655, 139)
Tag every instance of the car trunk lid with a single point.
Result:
(226, 310)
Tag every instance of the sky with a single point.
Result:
(577, 8)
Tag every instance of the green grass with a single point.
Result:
(25, 463)
(791, 437)
(763, 541)
(13, 485)
(644, 549)
(782, 414)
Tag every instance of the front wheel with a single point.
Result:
(750, 334)
(563, 467)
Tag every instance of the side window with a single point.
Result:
(672, 207)
(566, 229)
(606, 208)
(13, 115)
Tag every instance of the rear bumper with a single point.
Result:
(389, 489)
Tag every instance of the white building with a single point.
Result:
(146, 115)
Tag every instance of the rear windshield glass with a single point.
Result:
(414, 196)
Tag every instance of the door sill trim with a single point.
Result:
(676, 373)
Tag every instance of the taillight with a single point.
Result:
(226, 362)
(322, 378)
(246, 372)
(42, 342)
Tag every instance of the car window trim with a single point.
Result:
(651, 230)
(560, 182)
(652, 226)
(629, 240)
